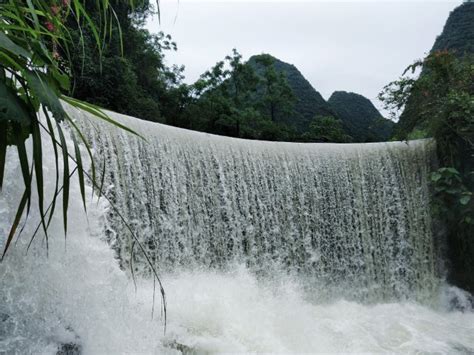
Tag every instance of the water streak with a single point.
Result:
(352, 218)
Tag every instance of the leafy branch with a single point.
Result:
(35, 63)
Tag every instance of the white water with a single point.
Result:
(210, 310)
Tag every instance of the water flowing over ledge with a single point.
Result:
(263, 247)
(351, 218)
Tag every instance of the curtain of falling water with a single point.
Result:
(353, 220)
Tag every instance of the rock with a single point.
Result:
(69, 349)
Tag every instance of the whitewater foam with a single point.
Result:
(80, 295)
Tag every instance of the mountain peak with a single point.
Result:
(458, 32)
(360, 118)
(309, 102)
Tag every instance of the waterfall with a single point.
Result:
(262, 247)
(353, 219)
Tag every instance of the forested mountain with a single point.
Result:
(263, 98)
(308, 102)
(458, 33)
(360, 118)
(458, 38)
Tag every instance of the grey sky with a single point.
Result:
(352, 45)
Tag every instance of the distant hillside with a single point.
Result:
(309, 102)
(458, 32)
(360, 118)
(457, 36)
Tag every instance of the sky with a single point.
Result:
(357, 46)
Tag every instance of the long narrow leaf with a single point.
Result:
(97, 112)
(56, 163)
(80, 169)
(65, 175)
(38, 164)
(3, 150)
(24, 165)
(86, 144)
(19, 213)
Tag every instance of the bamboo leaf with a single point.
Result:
(42, 89)
(65, 175)
(7, 44)
(12, 108)
(16, 221)
(56, 163)
(38, 165)
(3, 150)
(80, 169)
(86, 144)
(23, 157)
(102, 179)
(97, 112)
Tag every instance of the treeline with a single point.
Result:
(260, 99)
(440, 104)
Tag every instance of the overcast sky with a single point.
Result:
(354, 46)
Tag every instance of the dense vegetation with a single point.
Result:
(441, 105)
(130, 75)
(308, 102)
(37, 45)
(458, 32)
(263, 98)
(360, 118)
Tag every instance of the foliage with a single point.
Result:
(307, 102)
(451, 191)
(441, 103)
(130, 75)
(458, 33)
(36, 44)
(278, 98)
(33, 79)
(231, 99)
(360, 119)
(326, 129)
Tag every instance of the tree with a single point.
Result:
(325, 129)
(440, 104)
(221, 98)
(278, 99)
(129, 75)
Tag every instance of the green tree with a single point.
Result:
(440, 104)
(129, 75)
(325, 129)
(222, 98)
(278, 99)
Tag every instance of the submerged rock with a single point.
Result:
(456, 299)
(69, 349)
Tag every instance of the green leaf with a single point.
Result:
(56, 162)
(46, 94)
(23, 157)
(12, 108)
(19, 213)
(3, 150)
(97, 111)
(65, 175)
(38, 164)
(80, 169)
(7, 44)
(61, 79)
(435, 176)
(452, 171)
(464, 200)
